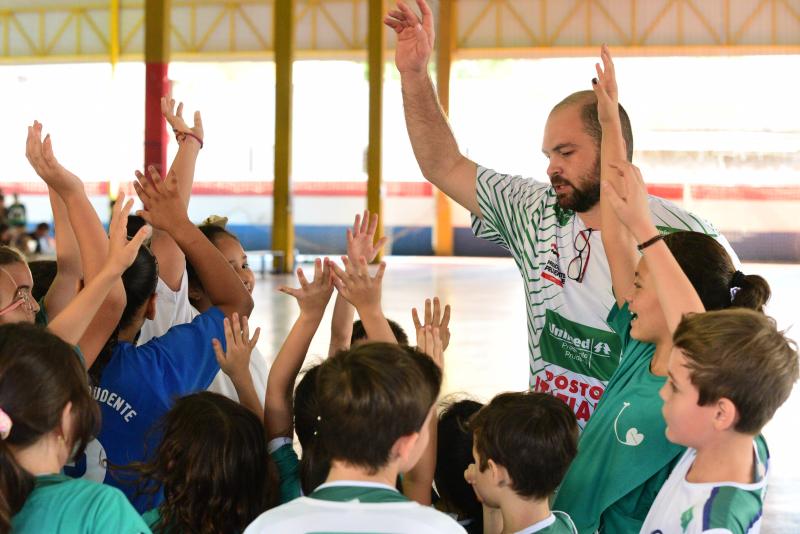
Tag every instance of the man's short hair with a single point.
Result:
(740, 355)
(360, 333)
(533, 435)
(587, 101)
(369, 397)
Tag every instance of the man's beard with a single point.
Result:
(580, 200)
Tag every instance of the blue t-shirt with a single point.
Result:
(138, 388)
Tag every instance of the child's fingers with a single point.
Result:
(349, 237)
(437, 311)
(338, 272)
(381, 270)
(415, 318)
(317, 271)
(380, 244)
(365, 222)
(357, 224)
(326, 273)
(363, 268)
(230, 341)
(373, 224)
(254, 341)
(144, 214)
(218, 352)
(245, 330)
(198, 120)
(141, 236)
(289, 291)
(179, 113)
(445, 318)
(301, 277)
(428, 312)
(599, 71)
(155, 178)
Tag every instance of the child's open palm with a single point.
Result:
(313, 297)
(235, 359)
(122, 252)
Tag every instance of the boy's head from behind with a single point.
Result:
(359, 334)
(453, 456)
(729, 370)
(373, 403)
(523, 442)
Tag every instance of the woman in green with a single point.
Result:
(624, 456)
(47, 415)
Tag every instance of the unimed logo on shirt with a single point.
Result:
(579, 348)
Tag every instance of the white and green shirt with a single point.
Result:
(349, 507)
(572, 351)
(715, 508)
(555, 523)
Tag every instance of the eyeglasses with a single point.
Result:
(577, 266)
(22, 298)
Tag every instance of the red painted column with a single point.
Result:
(156, 56)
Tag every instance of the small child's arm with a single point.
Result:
(313, 298)
(68, 260)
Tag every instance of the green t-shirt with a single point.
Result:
(66, 505)
(285, 458)
(623, 456)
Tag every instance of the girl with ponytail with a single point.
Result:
(624, 455)
(46, 415)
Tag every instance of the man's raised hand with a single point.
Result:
(313, 297)
(415, 37)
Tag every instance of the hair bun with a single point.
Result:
(215, 220)
(737, 280)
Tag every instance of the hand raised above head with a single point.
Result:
(360, 240)
(235, 360)
(40, 156)
(121, 251)
(628, 196)
(415, 36)
(313, 297)
(163, 207)
(434, 319)
(176, 121)
(605, 87)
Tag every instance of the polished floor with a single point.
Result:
(488, 353)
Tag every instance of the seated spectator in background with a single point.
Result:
(523, 445)
(17, 214)
(43, 242)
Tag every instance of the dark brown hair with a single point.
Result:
(359, 332)
(587, 100)
(533, 435)
(213, 465)
(709, 268)
(39, 375)
(369, 397)
(740, 355)
(9, 255)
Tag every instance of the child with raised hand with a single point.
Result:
(523, 445)
(212, 464)
(89, 233)
(279, 407)
(47, 414)
(728, 372)
(71, 323)
(624, 456)
(375, 403)
(360, 243)
(136, 385)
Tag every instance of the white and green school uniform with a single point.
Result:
(572, 351)
(349, 507)
(717, 507)
(624, 456)
(556, 523)
(65, 505)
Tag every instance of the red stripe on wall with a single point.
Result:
(674, 192)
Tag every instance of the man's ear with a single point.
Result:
(150, 310)
(726, 414)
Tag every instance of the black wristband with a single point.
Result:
(650, 241)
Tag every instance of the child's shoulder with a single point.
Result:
(731, 508)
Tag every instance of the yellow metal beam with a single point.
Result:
(443, 229)
(375, 61)
(282, 225)
(113, 33)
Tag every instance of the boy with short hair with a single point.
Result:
(523, 444)
(375, 404)
(729, 372)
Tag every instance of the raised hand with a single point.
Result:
(356, 285)
(121, 252)
(235, 360)
(175, 118)
(429, 341)
(605, 87)
(163, 207)
(40, 156)
(434, 319)
(313, 297)
(360, 239)
(628, 196)
(415, 37)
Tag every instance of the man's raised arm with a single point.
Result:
(435, 147)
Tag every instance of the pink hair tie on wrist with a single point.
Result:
(180, 136)
(5, 425)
